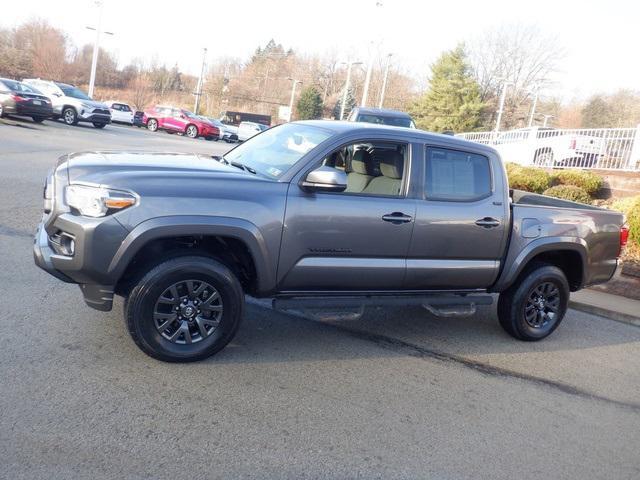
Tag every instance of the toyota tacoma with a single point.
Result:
(315, 214)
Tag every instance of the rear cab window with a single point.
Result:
(458, 176)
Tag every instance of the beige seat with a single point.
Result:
(361, 172)
(390, 182)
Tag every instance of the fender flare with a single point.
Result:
(541, 245)
(184, 225)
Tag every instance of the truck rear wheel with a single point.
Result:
(533, 307)
(185, 309)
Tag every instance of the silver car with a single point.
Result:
(72, 104)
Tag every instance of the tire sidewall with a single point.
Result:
(153, 122)
(141, 303)
(541, 275)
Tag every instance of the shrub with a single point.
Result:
(568, 192)
(631, 208)
(529, 179)
(588, 181)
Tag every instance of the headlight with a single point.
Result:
(97, 201)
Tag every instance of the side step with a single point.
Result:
(435, 300)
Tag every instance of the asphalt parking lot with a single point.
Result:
(395, 394)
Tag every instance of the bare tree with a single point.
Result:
(522, 55)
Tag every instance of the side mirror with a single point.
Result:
(56, 94)
(183, 116)
(325, 179)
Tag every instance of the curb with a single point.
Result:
(603, 312)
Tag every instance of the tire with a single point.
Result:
(152, 125)
(99, 125)
(1, 110)
(145, 310)
(38, 119)
(191, 131)
(518, 310)
(70, 116)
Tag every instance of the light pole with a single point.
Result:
(293, 94)
(96, 47)
(367, 80)
(384, 82)
(501, 108)
(536, 92)
(200, 82)
(346, 87)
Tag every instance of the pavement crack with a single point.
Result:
(417, 351)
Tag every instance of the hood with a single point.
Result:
(91, 103)
(105, 168)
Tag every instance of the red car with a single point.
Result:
(179, 120)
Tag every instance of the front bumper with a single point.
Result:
(94, 117)
(95, 243)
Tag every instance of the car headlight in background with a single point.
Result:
(96, 202)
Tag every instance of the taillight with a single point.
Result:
(18, 98)
(572, 145)
(624, 237)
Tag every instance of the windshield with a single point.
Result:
(18, 86)
(73, 92)
(384, 120)
(274, 151)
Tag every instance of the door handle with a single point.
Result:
(397, 218)
(487, 222)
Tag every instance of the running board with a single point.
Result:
(437, 300)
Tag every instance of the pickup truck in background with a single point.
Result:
(315, 215)
(548, 147)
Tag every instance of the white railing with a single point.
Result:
(597, 148)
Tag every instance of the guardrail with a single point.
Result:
(596, 148)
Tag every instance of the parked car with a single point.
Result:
(315, 214)
(71, 104)
(236, 118)
(381, 116)
(550, 147)
(17, 98)
(120, 112)
(228, 133)
(246, 130)
(138, 118)
(179, 120)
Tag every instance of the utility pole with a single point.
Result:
(367, 79)
(293, 94)
(96, 46)
(536, 92)
(501, 108)
(384, 82)
(346, 88)
(546, 119)
(200, 82)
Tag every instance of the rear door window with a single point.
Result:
(456, 175)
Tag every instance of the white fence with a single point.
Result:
(598, 148)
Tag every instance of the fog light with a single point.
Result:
(67, 245)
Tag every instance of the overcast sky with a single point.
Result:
(600, 38)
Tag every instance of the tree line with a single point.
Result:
(462, 90)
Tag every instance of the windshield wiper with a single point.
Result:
(239, 165)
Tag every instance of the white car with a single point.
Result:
(246, 130)
(549, 147)
(120, 112)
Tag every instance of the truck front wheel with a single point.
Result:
(185, 309)
(534, 306)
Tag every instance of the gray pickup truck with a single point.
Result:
(314, 215)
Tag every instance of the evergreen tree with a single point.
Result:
(452, 101)
(348, 106)
(309, 104)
